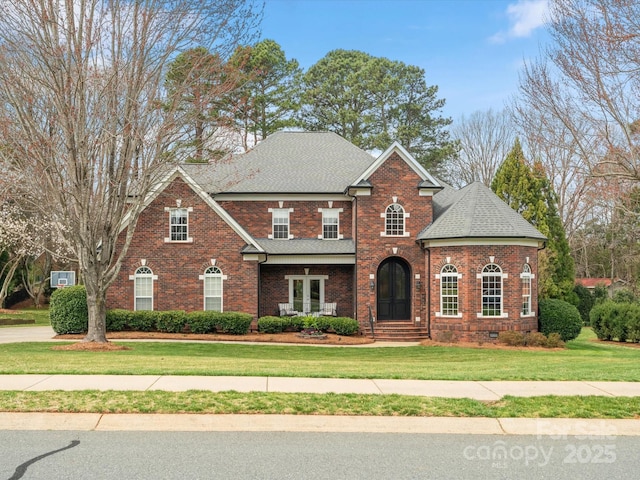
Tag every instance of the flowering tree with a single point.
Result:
(24, 238)
(84, 114)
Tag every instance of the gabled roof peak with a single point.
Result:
(428, 181)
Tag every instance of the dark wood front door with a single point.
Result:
(394, 300)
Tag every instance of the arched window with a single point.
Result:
(449, 290)
(394, 220)
(526, 277)
(491, 291)
(213, 289)
(143, 288)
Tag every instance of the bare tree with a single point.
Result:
(485, 139)
(547, 140)
(588, 81)
(84, 113)
(579, 105)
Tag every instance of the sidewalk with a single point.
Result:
(478, 390)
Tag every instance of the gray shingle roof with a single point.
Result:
(287, 162)
(305, 246)
(475, 212)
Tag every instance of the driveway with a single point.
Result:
(26, 334)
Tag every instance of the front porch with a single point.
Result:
(321, 290)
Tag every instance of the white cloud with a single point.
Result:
(524, 17)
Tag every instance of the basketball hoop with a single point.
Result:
(61, 285)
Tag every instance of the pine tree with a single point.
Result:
(528, 191)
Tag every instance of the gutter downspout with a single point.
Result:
(427, 286)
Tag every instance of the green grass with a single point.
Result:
(583, 359)
(40, 315)
(315, 404)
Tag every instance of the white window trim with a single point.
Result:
(222, 277)
(530, 275)
(153, 280)
(337, 211)
(438, 277)
(503, 275)
(272, 211)
(404, 222)
(169, 210)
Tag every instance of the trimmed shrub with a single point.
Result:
(554, 340)
(271, 324)
(294, 323)
(535, 339)
(558, 316)
(344, 325)
(117, 320)
(324, 324)
(234, 323)
(171, 321)
(202, 321)
(142, 321)
(511, 338)
(633, 325)
(599, 318)
(68, 310)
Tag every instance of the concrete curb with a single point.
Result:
(319, 423)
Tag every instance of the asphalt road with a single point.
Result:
(274, 455)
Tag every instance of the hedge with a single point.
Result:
(271, 324)
(616, 321)
(68, 310)
(340, 325)
(176, 321)
(558, 316)
(171, 321)
(344, 326)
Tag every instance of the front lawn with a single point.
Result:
(583, 359)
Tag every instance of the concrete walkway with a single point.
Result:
(478, 390)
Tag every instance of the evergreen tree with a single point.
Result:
(529, 192)
(372, 101)
(268, 98)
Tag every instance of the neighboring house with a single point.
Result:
(610, 285)
(308, 222)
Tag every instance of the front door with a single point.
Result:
(394, 300)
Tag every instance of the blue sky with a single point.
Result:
(471, 49)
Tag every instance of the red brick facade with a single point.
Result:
(178, 266)
(257, 283)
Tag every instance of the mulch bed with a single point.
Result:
(286, 337)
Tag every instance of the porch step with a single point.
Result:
(397, 331)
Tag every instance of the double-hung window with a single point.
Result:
(449, 291)
(143, 288)
(179, 225)
(330, 224)
(491, 279)
(213, 289)
(281, 223)
(526, 277)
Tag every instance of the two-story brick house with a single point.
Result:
(309, 222)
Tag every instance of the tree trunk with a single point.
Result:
(97, 328)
